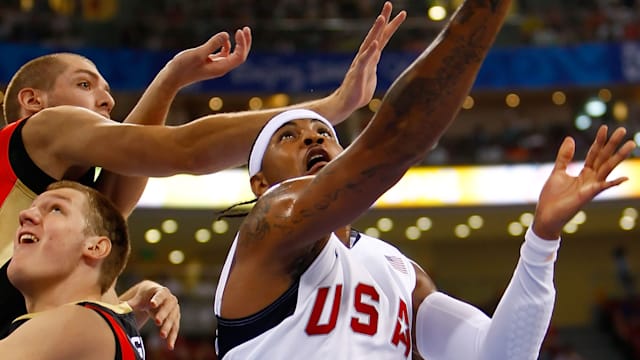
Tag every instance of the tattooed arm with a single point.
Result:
(418, 108)
(288, 222)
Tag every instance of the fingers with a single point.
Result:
(165, 312)
(221, 44)
(243, 43)
(606, 154)
(615, 182)
(162, 303)
(215, 42)
(382, 29)
(612, 161)
(248, 37)
(170, 326)
(565, 154)
(375, 32)
(387, 7)
(596, 146)
(391, 28)
(608, 147)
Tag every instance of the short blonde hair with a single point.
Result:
(104, 219)
(40, 73)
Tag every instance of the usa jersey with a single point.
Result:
(351, 303)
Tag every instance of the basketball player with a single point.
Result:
(285, 288)
(28, 167)
(296, 284)
(71, 245)
(56, 142)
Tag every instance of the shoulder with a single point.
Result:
(69, 331)
(287, 186)
(278, 199)
(57, 115)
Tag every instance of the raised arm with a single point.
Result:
(206, 145)
(447, 328)
(564, 195)
(418, 108)
(356, 90)
(210, 60)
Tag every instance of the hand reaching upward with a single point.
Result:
(212, 59)
(564, 195)
(360, 82)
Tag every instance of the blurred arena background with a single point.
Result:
(558, 68)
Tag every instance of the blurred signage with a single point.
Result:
(420, 187)
(525, 67)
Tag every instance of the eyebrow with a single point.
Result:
(291, 123)
(59, 197)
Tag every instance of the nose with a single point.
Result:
(106, 102)
(30, 215)
(312, 138)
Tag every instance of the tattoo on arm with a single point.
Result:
(380, 171)
(256, 225)
(470, 9)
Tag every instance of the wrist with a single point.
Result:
(543, 226)
(336, 107)
(538, 250)
(168, 80)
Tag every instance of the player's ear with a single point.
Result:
(97, 247)
(259, 184)
(31, 100)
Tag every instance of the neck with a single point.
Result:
(344, 234)
(45, 297)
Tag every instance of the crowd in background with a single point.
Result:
(288, 25)
(317, 25)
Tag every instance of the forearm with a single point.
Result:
(141, 316)
(151, 109)
(154, 104)
(450, 329)
(425, 99)
(230, 135)
(123, 191)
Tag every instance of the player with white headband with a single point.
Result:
(280, 293)
(298, 283)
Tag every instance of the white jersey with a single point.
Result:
(350, 304)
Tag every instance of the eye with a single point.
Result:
(286, 135)
(84, 84)
(325, 132)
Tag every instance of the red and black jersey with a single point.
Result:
(21, 180)
(120, 318)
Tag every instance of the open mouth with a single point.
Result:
(316, 158)
(27, 238)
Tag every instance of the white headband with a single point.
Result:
(276, 122)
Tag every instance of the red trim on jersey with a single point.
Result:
(122, 340)
(8, 177)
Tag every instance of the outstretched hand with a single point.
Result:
(210, 60)
(152, 300)
(563, 195)
(359, 84)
